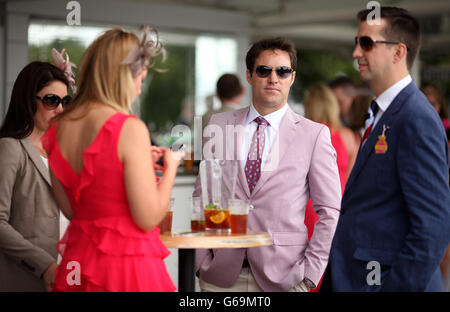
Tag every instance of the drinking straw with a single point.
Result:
(235, 173)
(217, 182)
(202, 170)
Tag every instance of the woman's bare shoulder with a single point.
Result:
(134, 126)
(345, 132)
(134, 135)
(348, 136)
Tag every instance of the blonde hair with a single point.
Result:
(102, 76)
(321, 105)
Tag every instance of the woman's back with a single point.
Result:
(75, 134)
(87, 164)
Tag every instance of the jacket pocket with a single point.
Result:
(386, 257)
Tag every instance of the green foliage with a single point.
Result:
(74, 48)
(320, 67)
(436, 61)
(162, 101)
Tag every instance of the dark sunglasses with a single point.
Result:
(264, 71)
(367, 43)
(53, 100)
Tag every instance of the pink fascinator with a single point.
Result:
(65, 66)
(139, 56)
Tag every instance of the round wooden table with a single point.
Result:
(188, 241)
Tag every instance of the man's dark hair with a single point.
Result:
(19, 120)
(271, 44)
(228, 87)
(401, 26)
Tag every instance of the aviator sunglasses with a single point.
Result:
(264, 71)
(53, 100)
(367, 43)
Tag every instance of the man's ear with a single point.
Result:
(249, 76)
(293, 77)
(400, 52)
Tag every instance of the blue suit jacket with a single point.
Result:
(396, 205)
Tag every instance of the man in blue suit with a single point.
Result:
(395, 213)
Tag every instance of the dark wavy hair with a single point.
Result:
(278, 43)
(19, 120)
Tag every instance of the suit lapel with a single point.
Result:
(36, 159)
(280, 146)
(238, 119)
(386, 119)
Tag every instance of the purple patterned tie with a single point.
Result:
(253, 164)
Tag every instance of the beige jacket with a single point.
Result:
(29, 217)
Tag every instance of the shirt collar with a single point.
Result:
(274, 119)
(386, 98)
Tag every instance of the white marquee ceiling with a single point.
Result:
(318, 23)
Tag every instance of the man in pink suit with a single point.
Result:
(295, 161)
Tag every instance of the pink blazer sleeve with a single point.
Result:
(325, 191)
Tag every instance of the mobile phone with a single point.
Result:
(161, 159)
(181, 148)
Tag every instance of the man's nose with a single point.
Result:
(357, 51)
(273, 77)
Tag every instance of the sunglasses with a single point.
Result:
(264, 71)
(53, 100)
(367, 43)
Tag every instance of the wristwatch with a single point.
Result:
(309, 283)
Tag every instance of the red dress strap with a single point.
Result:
(49, 138)
(115, 124)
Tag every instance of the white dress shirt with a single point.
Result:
(45, 160)
(274, 120)
(385, 99)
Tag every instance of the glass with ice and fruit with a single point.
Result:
(217, 219)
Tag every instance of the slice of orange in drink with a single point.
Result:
(218, 217)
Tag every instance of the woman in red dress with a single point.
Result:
(322, 106)
(437, 99)
(103, 174)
